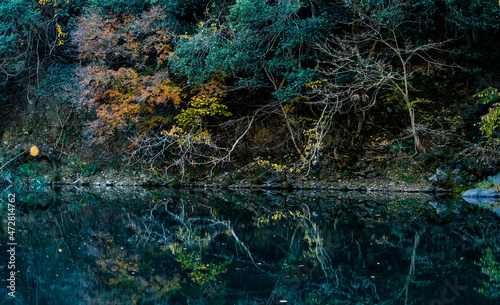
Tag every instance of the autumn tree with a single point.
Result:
(124, 79)
(127, 85)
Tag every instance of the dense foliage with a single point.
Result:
(193, 82)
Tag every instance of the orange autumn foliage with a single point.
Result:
(125, 81)
(122, 98)
(124, 40)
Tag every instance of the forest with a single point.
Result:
(250, 151)
(292, 86)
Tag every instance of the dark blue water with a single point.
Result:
(167, 246)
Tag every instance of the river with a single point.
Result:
(194, 246)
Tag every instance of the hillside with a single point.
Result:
(267, 91)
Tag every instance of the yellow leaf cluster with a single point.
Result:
(45, 2)
(278, 168)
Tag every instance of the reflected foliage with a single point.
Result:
(491, 267)
(184, 247)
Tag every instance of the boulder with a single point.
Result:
(480, 193)
(480, 200)
(496, 181)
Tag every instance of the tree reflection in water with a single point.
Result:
(190, 249)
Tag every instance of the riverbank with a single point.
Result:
(112, 179)
(393, 172)
(249, 176)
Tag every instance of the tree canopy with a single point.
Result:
(201, 76)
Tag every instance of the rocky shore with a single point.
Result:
(394, 174)
(114, 179)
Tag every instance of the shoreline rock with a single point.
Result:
(481, 193)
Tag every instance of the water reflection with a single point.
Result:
(215, 247)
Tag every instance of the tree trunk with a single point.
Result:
(419, 147)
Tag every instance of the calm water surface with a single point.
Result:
(162, 246)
